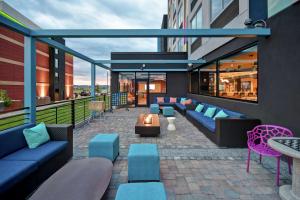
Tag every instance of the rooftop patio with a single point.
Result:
(192, 167)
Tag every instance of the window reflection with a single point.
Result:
(208, 79)
(127, 84)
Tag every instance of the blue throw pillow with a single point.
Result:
(210, 112)
(182, 100)
(36, 136)
(199, 108)
(220, 114)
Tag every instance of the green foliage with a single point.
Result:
(5, 98)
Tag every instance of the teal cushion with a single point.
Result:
(210, 112)
(182, 100)
(199, 108)
(36, 136)
(221, 114)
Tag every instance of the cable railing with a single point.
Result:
(73, 112)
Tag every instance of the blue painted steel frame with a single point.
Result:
(30, 77)
(136, 33)
(201, 61)
(93, 80)
(150, 70)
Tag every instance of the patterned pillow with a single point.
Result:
(173, 99)
(160, 100)
(187, 102)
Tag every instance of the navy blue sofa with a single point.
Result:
(225, 132)
(22, 169)
(177, 106)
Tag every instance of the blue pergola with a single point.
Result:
(44, 35)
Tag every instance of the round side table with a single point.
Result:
(171, 126)
(291, 149)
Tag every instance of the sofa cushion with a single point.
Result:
(12, 140)
(187, 102)
(229, 112)
(167, 99)
(173, 99)
(36, 136)
(220, 114)
(182, 99)
(12, 172)
(205, 121)
(199, 108)
(180, 106)
(41, 154)
(210, 112)
(160, 100)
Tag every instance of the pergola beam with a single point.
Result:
(142, 33)
(150, 70)
(151, 61)
(14, 26)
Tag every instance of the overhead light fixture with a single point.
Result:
(249, 23)
(190, 64)
(143, 67)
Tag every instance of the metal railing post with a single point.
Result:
(73, 112)
(56, 115)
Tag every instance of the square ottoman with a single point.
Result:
(143, 163)
(104, 145)
(168, 111)
(154, 109)
(138, 191)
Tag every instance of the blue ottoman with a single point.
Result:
(168, 111)
(143, 163)
(104, 145)
(154, 109)
(138, 191)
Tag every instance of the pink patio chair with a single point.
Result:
(258, 142)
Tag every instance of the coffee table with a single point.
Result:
(147, 130)
(289, 146)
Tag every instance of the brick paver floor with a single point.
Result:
(192, 167)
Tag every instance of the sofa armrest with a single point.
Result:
(60, 132)
(190, 106)
(232, 132)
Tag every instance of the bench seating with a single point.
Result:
(225, 132)
(177, 106)
(23, 169)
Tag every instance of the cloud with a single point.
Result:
(96, 14)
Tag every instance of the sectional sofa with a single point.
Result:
(177, 106)
(225, 132)
(22, 169)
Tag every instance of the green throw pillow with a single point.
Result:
(220, 114)
(210, 112)
(199, 108)
(182, 100)
(36, 136)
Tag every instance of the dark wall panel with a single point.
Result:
(279, 82)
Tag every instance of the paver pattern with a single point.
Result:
(192, 167)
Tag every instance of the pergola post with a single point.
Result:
(30, 78)
(93, 80)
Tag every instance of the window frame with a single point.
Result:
(217, 61)
(196, 23)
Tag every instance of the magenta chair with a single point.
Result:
(258, 142)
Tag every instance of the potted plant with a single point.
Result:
(5, 101)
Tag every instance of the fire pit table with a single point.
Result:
(289, 146)
(147, 125)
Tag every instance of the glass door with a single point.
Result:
(142, 92)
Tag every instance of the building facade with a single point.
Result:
(51, 63)
(255, 76)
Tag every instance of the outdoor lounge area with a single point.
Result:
(204, 106)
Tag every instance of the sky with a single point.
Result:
(96, 14)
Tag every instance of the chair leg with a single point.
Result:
(248, 160)
(260, 157)
(278, 171)
(290, 163)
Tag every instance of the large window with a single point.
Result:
(208, 77)
(275, 6)
(157, 83)
(197, 21)
(217, 6)
(180, 17)
(233, 77)
(127, 84)
(238, 75)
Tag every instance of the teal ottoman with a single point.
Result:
(144, 191)
(154, 109)
(143, 163)
(168, 111)
(104, 145)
